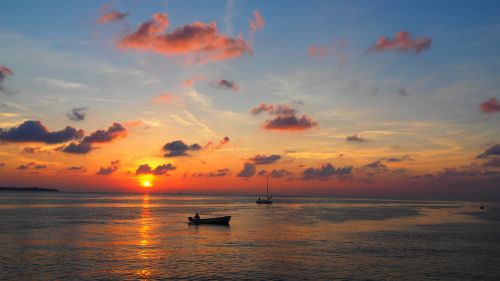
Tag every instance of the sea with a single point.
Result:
(102, 236)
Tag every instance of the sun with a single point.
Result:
(146, 183)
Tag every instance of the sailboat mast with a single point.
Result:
(267, 190)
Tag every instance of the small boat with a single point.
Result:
(269, 198)
(481, 207)
(219, 221)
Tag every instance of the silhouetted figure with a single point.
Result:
(197, 216)
(481, 207)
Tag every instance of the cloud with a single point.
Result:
(218, 173)
(402, 42)
(2, 164)
(490, 106)
(223, 142)
(376, 165)
(62, 84)
(227, 84)
(248, 171)
(77, 113)
(257, 23)
(133, 124)
(35, 131)
(110, 169)
(159, 170)
(289, 123)
(76, 168)
(492, 151)
(285, 119)
(32, 165)
(397, 159)
(179, 148)
(32, 150)
(263, 159)
(163, 98)
(325, 172)
(100, 136)
(77, 148)
(4, 72)
(276, 173)
(112, 16)
(355, 138)
(493, 162)
(202, 41)
(314, 51)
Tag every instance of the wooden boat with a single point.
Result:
(269, 197)
(219, 221)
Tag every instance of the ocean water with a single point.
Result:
(84, 236)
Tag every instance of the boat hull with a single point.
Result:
(264, 201)
(218, 221)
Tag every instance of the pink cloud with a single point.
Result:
(112, 16)
(314, 51)
(403, 42)
(490, 106)
(163, 98)
(202, 41)
(257, 23)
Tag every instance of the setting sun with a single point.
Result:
(146, 183)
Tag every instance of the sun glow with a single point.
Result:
(146, 183)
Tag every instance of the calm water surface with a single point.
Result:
(49, 236)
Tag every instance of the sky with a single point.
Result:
(347, 98)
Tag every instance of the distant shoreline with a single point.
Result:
(32, 189)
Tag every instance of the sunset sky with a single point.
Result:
(361, 98)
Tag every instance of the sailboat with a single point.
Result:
(269, 198)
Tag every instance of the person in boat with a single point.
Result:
(197, 216)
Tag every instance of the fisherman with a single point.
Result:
(197, 216)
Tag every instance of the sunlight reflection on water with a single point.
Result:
(146, 237)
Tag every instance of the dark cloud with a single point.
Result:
(492, 151)
(285, 119)
(263, 159)
(355, 138)
(110, 169)
(397, 159)
(216, 174)
(376, 165)
(227, 84)
(77, 148)
(4, 72)
(99, 136)
(76, 168)
(34, 131)
(276, 173)
(289, 123)
(325, 172)
(77, 113)
(179, 148)
(402, 42)
(248, 171)
(159, 170)
(32, 165)
(490, 106)
(403, 92)
(493, 162)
